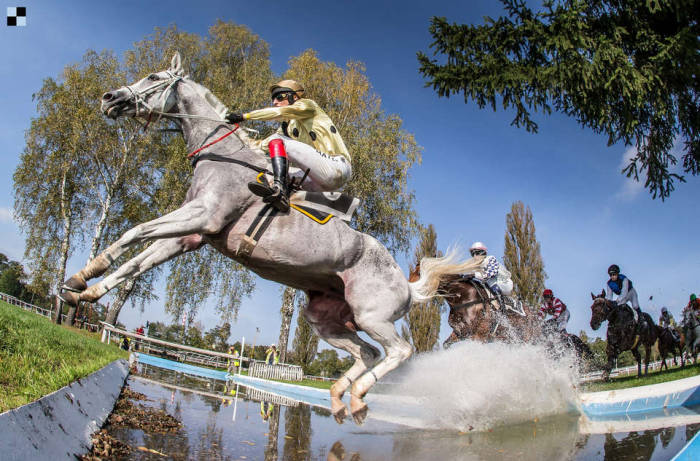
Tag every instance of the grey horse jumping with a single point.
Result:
(352, 282)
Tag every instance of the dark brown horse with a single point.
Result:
(623, 332)
(476, 314)
(668, 344)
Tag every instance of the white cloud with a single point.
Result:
(6, 215)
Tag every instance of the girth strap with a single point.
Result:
(255, 231)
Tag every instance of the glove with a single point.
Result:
(234, 117)
(479, 275)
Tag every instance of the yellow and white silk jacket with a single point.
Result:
(306, 122)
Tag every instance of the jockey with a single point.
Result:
(620, 285)
(310, 139)
(693, 304)
(491, 272)
(554, 307)
(666, 321)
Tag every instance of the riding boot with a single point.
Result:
(499, 295)
(279, 198)
(277, 194)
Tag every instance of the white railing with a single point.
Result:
(276, 371)
(39, 310)
(626, 371)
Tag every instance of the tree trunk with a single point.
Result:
(65, 243)
(287, 312)
(121, 298)
(271, 453)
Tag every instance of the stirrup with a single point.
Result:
(260, 189)
(279, 200)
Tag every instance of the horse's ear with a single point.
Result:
(592, 296)
(176, 64)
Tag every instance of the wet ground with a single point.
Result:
(257, 426)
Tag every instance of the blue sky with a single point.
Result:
(475, 165)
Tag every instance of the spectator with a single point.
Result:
(271, 356)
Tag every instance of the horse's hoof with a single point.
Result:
(75, 284)
(69, 298)
(339, 410)
(340, 415)
(360, 414)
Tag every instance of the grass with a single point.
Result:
(657, 377)
(38, 357)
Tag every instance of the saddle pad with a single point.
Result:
(318, 216)
(326, 203)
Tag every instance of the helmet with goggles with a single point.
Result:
(286, 89)
(478, 248)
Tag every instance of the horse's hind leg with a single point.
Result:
(332, 319)
(397, 351)
(365, 356)
(195, 217)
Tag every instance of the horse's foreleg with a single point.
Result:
(156, 254)
(195, 217)
(611, 353)
(365, 356)
(638, 358)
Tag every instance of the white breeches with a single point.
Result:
(327, 173)
(506, 285)
(631, 298)
(562, 320)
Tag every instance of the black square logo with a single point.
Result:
(16, 15)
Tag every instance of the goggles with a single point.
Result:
(280, 96)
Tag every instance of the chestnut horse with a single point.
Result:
(623, 332)
(475, 313)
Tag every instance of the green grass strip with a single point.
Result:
(656, 377)
(38, 357)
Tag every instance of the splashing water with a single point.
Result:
(477, 386)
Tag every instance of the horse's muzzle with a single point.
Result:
(115, 103)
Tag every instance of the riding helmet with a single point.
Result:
(478, 248)
(614, 269)
(547, 293)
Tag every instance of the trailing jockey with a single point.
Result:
(666, 321)
(307, 136)
(491, 272)
(557, 309)
(619, 285)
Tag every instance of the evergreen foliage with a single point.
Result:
(626, 69)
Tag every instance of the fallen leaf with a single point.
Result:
(151, 450)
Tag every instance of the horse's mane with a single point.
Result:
(436, 268)
(221, 110)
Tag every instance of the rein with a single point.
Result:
(138, 97)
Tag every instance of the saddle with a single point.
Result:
(319, 206)
(511, 303)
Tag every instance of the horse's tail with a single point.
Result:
(433, 269)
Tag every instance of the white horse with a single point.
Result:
(352, 282)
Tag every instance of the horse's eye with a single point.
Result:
(153, 77)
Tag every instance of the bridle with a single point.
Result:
(608, 309)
